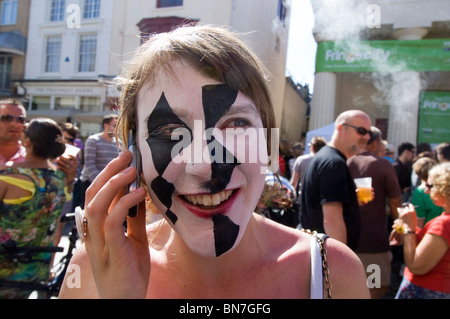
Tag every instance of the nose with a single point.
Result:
(214, 168)
(17, 122)
(197, 159)
(200, 168)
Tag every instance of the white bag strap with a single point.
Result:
(316, 288)
(319, 265)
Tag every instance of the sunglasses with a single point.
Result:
(361, 130)
(429, 186)
(7, 118)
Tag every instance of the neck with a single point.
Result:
(446, 208)
(402, 159)
(36, 162)
(335, 144)
(107, 136)
(8, 149)
(218, 271)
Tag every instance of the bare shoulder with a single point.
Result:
(79, 280)
(283, 239)
(347, 274)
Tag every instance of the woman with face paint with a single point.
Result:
(198, 103)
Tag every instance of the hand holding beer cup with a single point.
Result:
(364, 189)
(405, 224)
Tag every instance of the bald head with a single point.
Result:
(347, 116)
(351, 132)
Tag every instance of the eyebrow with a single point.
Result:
(164, 114)
(241, 108)
(183, 113)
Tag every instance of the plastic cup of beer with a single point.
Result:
(364, 189)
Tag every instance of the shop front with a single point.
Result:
(82, 102)
(404, 85)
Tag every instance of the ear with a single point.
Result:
(26, 142)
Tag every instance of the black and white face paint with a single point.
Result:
(207, 199)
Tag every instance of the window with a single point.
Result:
(281, 11)
(91, 9)
(90, 104)
(57, 10)
(88, 53)
(9, 12)
(64, 102)
(5, 72)
(41, 103)
(53, 54)
(168, 3)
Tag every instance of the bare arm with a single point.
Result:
(3, 187)
(79, 281)
(333, 221)
(421, 258)
(294, 180)
(347, 274)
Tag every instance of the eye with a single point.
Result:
(169, 131)
(237, 123)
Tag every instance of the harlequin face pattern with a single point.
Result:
(217, 99)
(207, 202)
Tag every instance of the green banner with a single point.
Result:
(383, 56)
(434, 117)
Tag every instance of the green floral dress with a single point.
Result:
(31, 223)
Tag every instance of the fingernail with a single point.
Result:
(127, 171)
(122, 154)
(139, 190)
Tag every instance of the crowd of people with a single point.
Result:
(207, 208)
(396, 182)
(40, 181)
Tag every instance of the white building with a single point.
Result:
(76, 44)
(66, 52)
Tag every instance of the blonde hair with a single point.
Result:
(422, 166)
(215, 52)
(440, 177)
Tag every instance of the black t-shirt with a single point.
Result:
(327, 180)
(404, 172)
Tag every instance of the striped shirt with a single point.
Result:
(97, 154)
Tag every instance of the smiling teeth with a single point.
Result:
(209, 200)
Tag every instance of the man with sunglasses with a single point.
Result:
(328, 191)
(12, 120)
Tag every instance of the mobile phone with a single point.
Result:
(137, 163)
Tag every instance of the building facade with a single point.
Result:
(78, 45)
(389, 59)
(13, 41)
(69, 40)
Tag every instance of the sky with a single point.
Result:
(301, 45)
